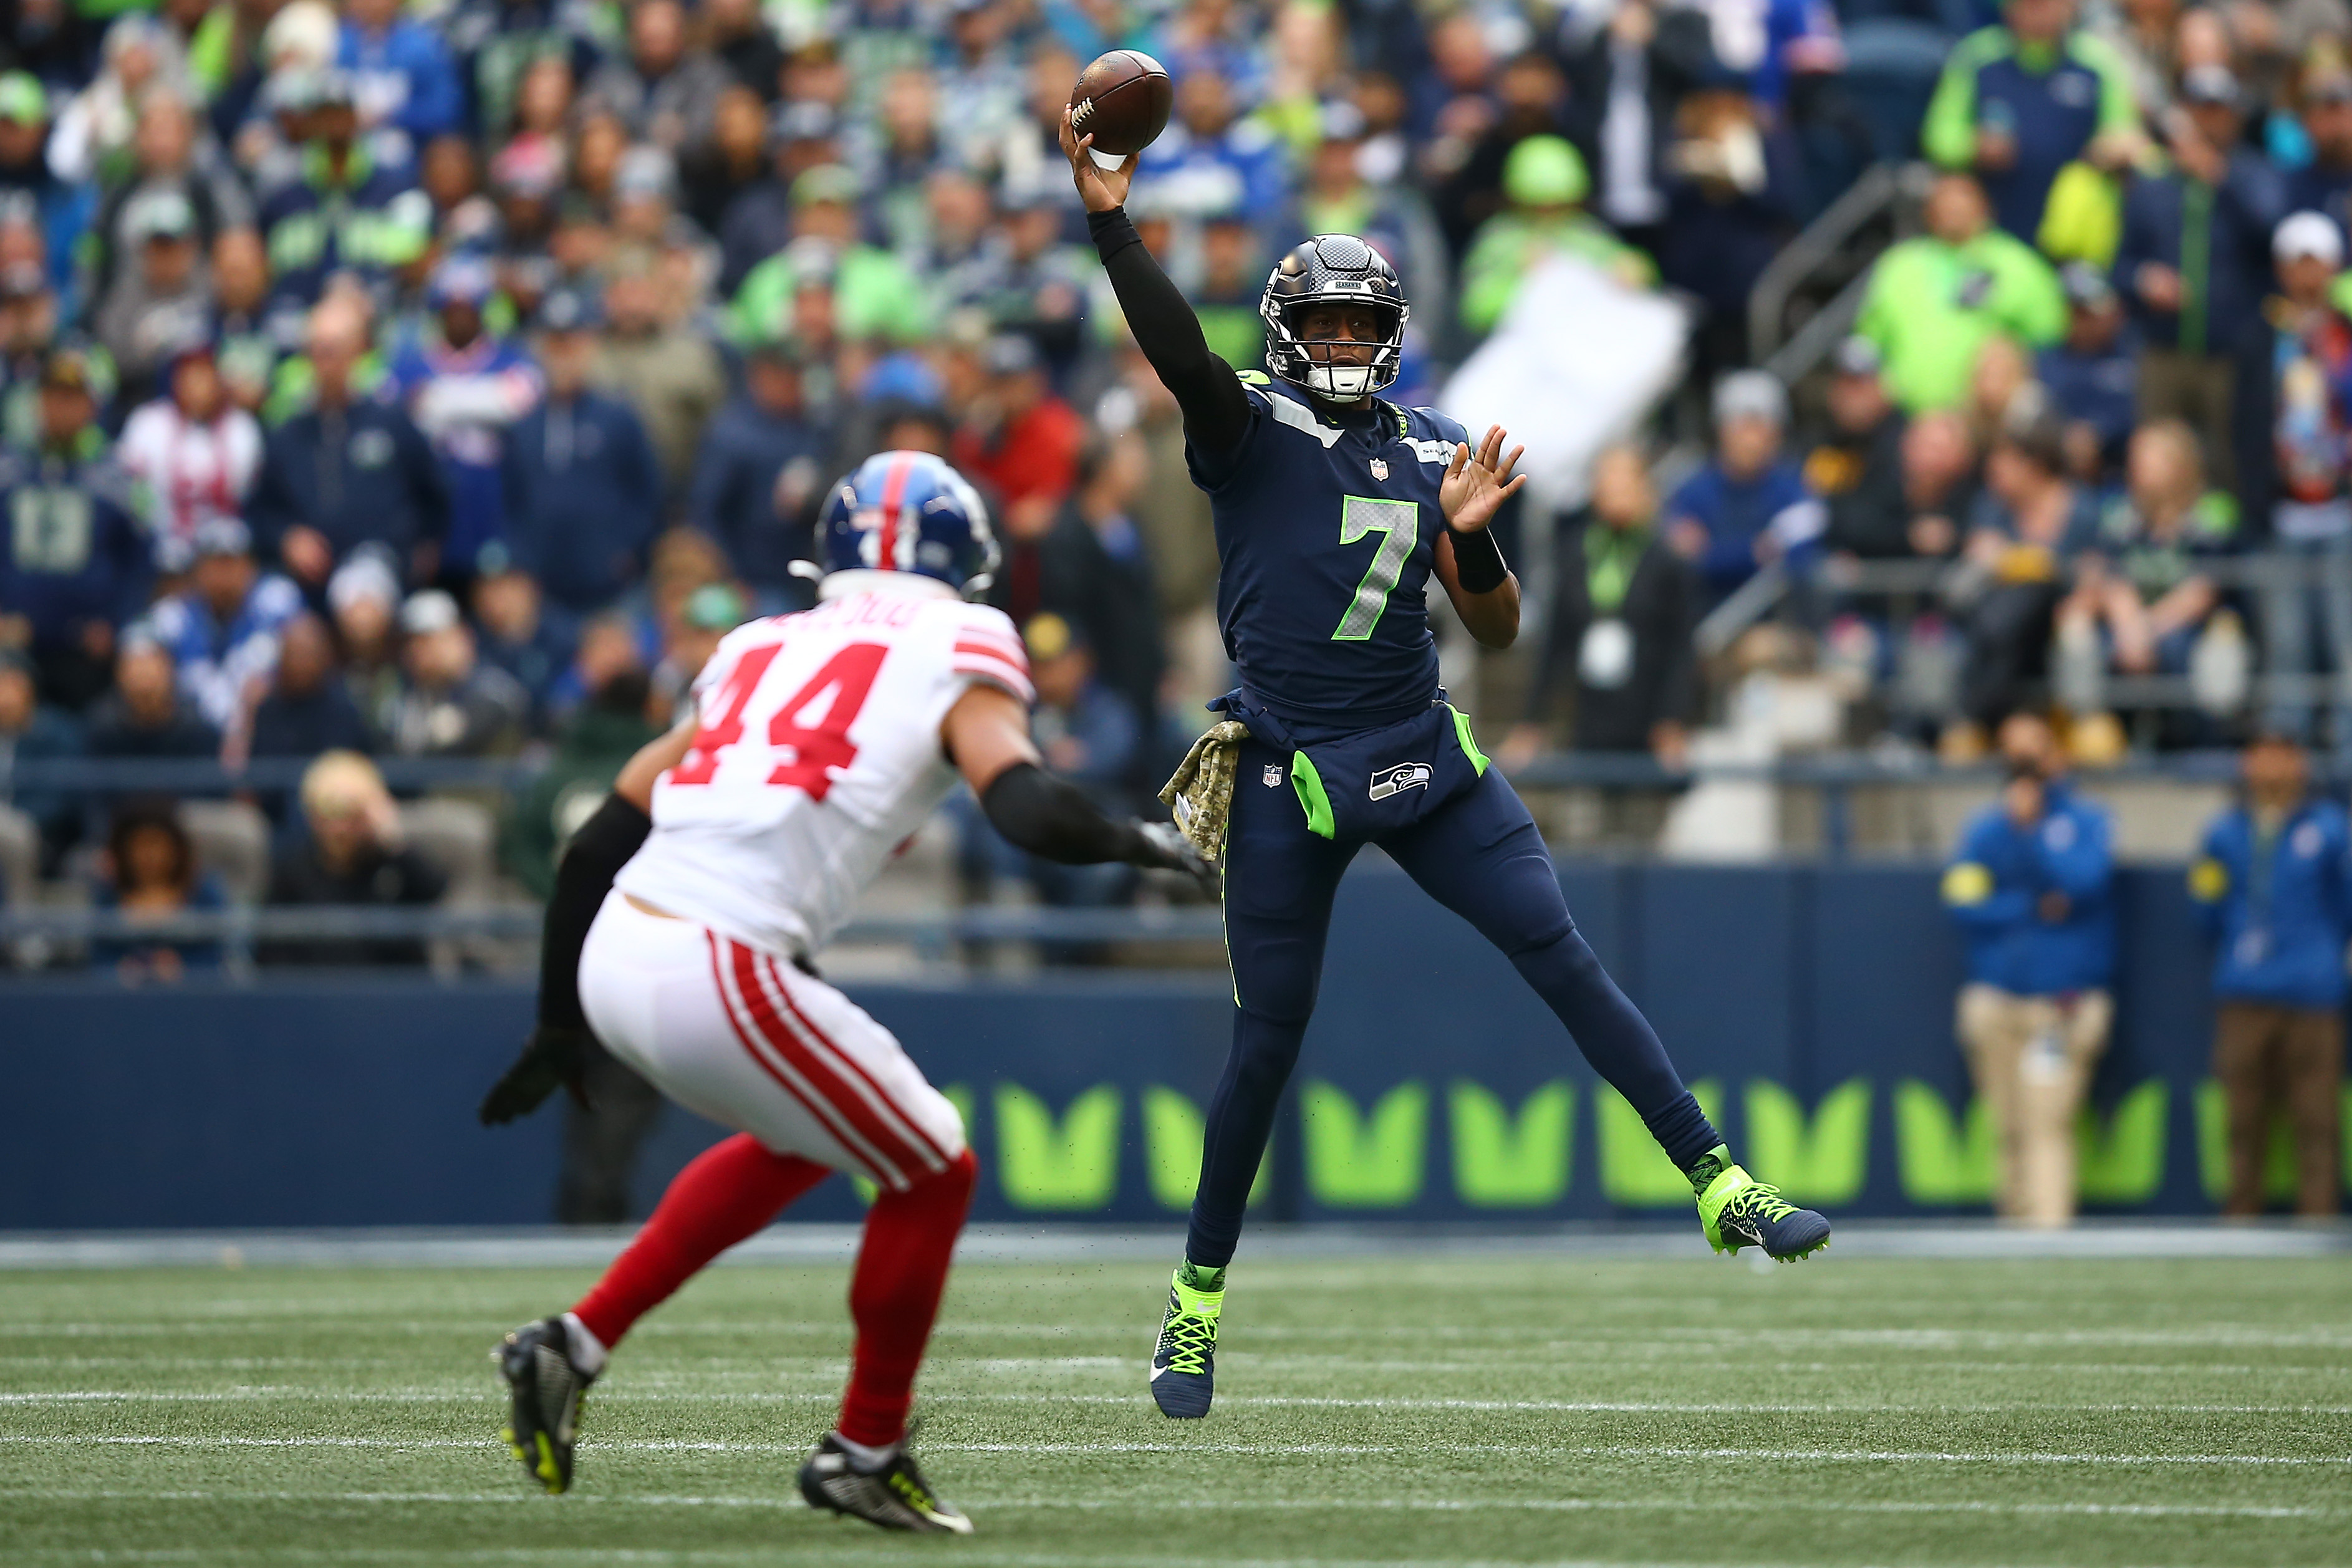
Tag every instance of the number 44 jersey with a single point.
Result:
(1327, 532)
(818, 755)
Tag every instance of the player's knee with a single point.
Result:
(1551, 939)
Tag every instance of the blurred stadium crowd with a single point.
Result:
(441, 381)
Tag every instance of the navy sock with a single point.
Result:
(1241, 1117)
(1619, 1042)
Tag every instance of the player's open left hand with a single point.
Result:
(1099, 188)
(554, 1055)
(1162, 846)
(1475, 486)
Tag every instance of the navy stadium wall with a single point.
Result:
(1811, 1006)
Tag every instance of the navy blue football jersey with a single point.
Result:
(1326, 535)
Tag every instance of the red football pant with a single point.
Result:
(731, 1191)
(902, 1268)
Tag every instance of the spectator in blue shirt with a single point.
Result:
(2093, 373)
(2029, 890)
(401, 70)
(583, 486)
(222, 630)
(74, 564)
(1748, 505)
(1208, 159)
(64, 208)
(758, 474)
(309, 710)
(2274, 892)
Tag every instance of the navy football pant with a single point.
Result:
(1480, 856)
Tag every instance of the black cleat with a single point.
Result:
(895, 1497)
(549, 1391)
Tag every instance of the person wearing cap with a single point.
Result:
(161, 304)
(349, 471)
(168, 158)
(1746, 504)
(666, 88)
(2020, 100)
(1935, 300)
(465, 386)
(2195, 259)
(1020, 441)
(1544, 182)
(760, 474)
(1857, 467)
(222, 629)
(2273, 887)
(64, 207)
(1038, 286)
(583, 484)
(2030, 887)
(2092, 372)
(363, 600)
(450, 704)
(75, 564)
(2294, 464)
(759, 221)
(2028, 527)
(875, 297)
(196, 453)
(2324, 185)
(342, 211)
(667, 372)
(1232, 278)
(402, 74)
(1212, 154)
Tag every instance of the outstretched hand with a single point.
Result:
(1099, 188)
(554, 1058)
(1162, 846)
(1475, 487)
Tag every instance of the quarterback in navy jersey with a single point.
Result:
(1333, 509)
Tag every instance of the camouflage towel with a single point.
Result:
(1201, 795)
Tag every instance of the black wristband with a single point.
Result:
(591, 861)
(1478, 561)
(1112, 231)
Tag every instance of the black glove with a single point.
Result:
(1162, 846)
(555, 1055)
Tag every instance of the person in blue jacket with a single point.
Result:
(1747, 504)
(2030, 890)
(2273, 884)
(401, 70)
(583, 486)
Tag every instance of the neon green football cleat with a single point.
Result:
(1736, 1210)
(1184, 1362)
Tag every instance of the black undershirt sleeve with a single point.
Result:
(591, 861)
(1052, 818)
(1216, 410)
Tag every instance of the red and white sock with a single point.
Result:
(731, 1191)
(902, 1269)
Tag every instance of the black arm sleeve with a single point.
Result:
(593, 858)
(1051, 818)
(1216, 410)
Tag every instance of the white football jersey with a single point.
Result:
(817, 757)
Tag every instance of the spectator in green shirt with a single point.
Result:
(1934, 300)
(873, 296)
(1544, 182)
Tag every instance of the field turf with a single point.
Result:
(1386, 1410)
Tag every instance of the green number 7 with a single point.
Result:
(1399, 525)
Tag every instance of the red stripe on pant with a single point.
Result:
(902, 1268)
(819, 1111)
(830, 1050)
(731, 1191)
(905, 1161)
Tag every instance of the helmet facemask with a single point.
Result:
(1309, 363)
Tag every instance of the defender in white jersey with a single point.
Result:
(685, 918)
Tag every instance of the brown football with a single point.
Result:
(1122, 101)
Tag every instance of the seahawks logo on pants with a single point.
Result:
(1395, 780)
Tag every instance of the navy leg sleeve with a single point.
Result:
(1481, 857)
(1279, 879)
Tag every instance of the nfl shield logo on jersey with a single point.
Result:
(1273, 777)
(1379, 468)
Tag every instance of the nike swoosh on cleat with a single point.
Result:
(1158, 1370)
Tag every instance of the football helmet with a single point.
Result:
(1333, 269)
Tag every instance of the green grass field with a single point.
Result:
(1425, 1409)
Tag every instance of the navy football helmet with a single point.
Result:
(1333, 269)
(909, 511)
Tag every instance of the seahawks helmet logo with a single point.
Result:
(1398, 779)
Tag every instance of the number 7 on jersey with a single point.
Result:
(1399, 525)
